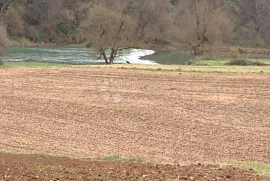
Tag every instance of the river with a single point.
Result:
(70, 55)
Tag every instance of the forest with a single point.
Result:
(118, 24)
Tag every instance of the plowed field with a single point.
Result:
(179, 118)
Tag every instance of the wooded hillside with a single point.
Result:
(190, 24)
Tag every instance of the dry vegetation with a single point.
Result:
(195, 68)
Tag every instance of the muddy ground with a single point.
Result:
(34, 167)
(163, 117)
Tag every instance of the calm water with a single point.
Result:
(72, 55)
(169, 57)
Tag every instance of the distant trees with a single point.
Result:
(149, 17)
(3, 37)
(253, 22)
(201, 25)
(14, 18)
(198, 25)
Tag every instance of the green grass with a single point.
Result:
(19, 42)
(41, 154)
(211, 62)
(159, 68)
(53, 155)
(34, 64)
(259, 168)
(224, 62)
(205, 69)
(9, 152)
(265, 61)
(118, 158)
(112, 158)
(105, 158)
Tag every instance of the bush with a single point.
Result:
(257, 63)
(192, 61)
(237, 61)
(1, 62)
(244, 62)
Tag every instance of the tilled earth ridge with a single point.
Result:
(166, 117)
(34, 167)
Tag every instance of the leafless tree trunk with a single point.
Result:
(200, 24)
(3, 37)
(109, 30)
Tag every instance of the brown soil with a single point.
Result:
(164, 117)
(33, 167)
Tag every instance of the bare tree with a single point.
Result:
(262, 17)
(148, 14)
(4, 4)
(200, 24)
(14, 18)
(109, 29)
(251, 18)
(3, 38)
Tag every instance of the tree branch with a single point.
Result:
(118, 32)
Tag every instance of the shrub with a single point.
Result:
(191, 62)
(237, 61)
(244, 62)
(258, 63)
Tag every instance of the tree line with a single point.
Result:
(113, 25)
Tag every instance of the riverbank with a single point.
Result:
(158, 68)
(164, 57)
(23, 42)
